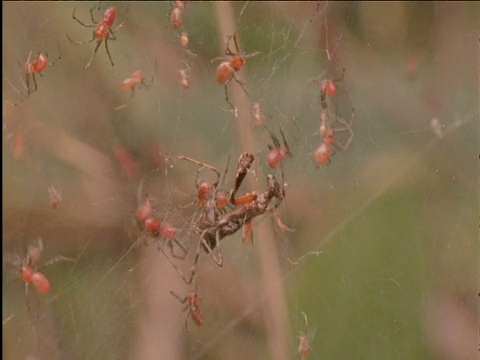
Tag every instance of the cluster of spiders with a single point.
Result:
(330, 141)
(220, 213)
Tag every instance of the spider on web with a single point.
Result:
(29, 272)
(227, 69)
(330, 134)
(213, 226)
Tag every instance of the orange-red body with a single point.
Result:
(179, 4)
(130, 83)
(38, 65)
(126, 161)
(195, 312)
(168, 231)
(276, 156)
(176, 18)
(103, 27)
(222, 199)
(36, 278)
(225, 72)
(329, 88)
(144, 211)
(323, 153)
(184, 79)
(303, 347)
(184, 40)
(258, 115)
(246, 199)
(203, 192)
(153, 226)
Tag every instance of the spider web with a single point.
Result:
(383, 249)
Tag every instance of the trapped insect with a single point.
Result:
(214, 226)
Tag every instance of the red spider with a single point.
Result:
(184, 39)
(329, 88)
(193, 308)
(126, 161)
(28, 268)
(215, 225)
(129, 84)
(330, 142)
(257, 114)
(37, 66)
(184, 79)
(227, 69)
(102, 32)
(177, 14)
(156, 228)
(323, 153)
(55, 197)
(278, 152)
(303, 346)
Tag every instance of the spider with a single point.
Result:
(303, 346)
(278, 152)
(258, 117)
(130, 83)
(154, 227)
(29, 272)
(176, 16)
(204, 188)
(102, 32)
(214, 226)
(55, 197)
(323, 153)
(331, 141)
(192, 307)
(37, 66)
(184, 77)
(227, 69)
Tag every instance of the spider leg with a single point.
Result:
(179, 298)
(81, 42)
(27, 80)
(183, 248)
(58, 58)
(218, 260)
(229, 52)
(26, 298)
(237, 48)
(241, 83)
(57, 259)
(118, 27)
(79, 21)
(228, 101)
(179, 272)
(108, 52)
(93, 55)
(91, 14)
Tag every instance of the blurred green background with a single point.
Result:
(384, 259)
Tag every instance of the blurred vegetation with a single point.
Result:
(384, 259)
